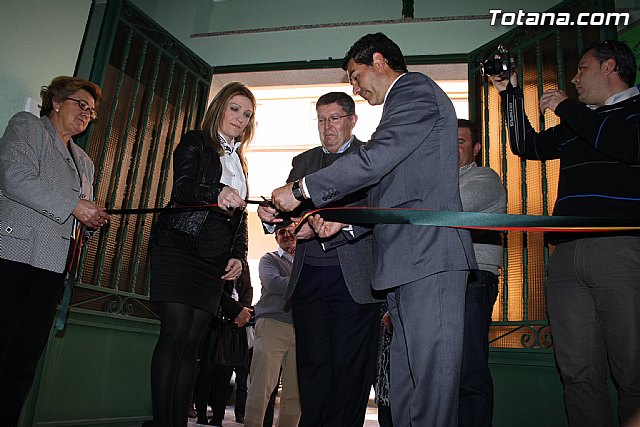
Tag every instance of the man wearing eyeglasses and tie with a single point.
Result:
(335, 314)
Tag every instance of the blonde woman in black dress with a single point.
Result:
(193, 252)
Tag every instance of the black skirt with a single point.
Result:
(179, 274)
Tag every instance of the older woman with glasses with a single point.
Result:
(46, 192)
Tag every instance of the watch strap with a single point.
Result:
(297, 191)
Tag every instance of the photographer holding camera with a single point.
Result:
(593, 291)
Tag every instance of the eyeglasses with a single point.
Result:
(85, 107)
(332, 120)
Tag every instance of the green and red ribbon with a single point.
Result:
(474, 220)
(423, 217)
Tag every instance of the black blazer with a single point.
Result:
(196, 181)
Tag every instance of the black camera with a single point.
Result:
(503, 64)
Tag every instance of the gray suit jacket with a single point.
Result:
(39, 189)
(412, 162)
(356, 256)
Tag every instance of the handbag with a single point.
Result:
(227, 344)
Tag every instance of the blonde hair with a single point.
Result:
(215, 113)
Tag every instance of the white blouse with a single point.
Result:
(232, 174)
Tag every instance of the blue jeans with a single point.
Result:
(476, 385)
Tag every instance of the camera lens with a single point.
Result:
(491, 67)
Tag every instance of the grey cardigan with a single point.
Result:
(481, 190)
(275, 271)
(39, 189)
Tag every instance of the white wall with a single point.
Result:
(39, 40)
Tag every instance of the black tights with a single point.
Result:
(174, 362)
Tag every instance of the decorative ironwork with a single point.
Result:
(151, 75)
(544, 54)
(526, 335)
(106, 300)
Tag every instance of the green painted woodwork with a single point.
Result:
(148, 75)
(528, 391)
(96, 374)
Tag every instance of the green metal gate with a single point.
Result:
(546, 58)
(528, 391)
(154, 90)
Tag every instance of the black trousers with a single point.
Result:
(336, 342)
(29, 299)
(213, 385)
(593, 302)
(384, 416)
(476, 384)
(242, 376)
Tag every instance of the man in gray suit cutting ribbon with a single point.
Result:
(410, 162)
